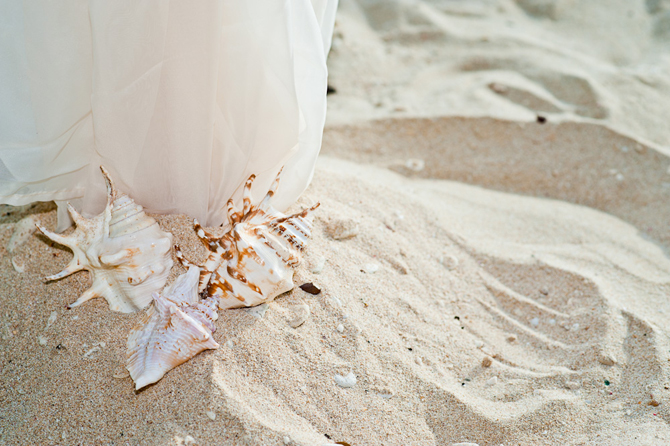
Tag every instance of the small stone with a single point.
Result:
(572, 385)
(512, 338)
(42, 340)
(487, 361)
(340, 328)
(575, 327)
(121, 375)
(605, 359)
(346, 381)
(342, 229)
(229, 344)
(418, 360)
(371, 268)
(211, 415)
(535, 321)
(654, 403)
(479, 344)
(492, 381)
(544, 290)
(189, 440)
(310, 288)
(287, 440)
(300, 315)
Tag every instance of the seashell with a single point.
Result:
(253, 262)
(178, 326)
(125, 251)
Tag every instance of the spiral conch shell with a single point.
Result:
(176, 327)
(125, 251)
(253, 262)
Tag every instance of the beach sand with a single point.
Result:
(505, 279)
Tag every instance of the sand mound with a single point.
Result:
(465, 315)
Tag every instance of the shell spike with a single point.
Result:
(88, 295)
(204, 236)
(233, 216)
(73, 267)
(62, 240)
(76, 216)
(306, 212)
(265, 204)
(111, 190)
(180, 257)
(247, 195)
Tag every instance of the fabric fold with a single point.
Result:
(182, 101)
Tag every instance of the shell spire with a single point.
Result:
(176, 327)
(253, 262)
(125, 251)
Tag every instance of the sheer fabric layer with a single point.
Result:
(180, 101)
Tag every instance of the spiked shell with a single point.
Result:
(176, 327)
(125, 251)
(253, 262)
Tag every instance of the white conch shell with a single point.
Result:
(125, 251)
(253, 262)
(176, 327)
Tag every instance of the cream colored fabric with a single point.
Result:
(179, 100)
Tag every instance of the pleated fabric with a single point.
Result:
(180, 100)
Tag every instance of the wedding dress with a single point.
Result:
(180, 100)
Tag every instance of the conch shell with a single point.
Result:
(125, 251)
(253, 262)
(176, 327)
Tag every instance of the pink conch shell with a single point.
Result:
(125, 251)
(176, 327)
(253, 262)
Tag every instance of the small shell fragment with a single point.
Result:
(300, 315)
(211, 415)
(258, 311)
(345, 381)
(42, 340)
(19, 268)
(92, 351)
(371, 268)
(343, 229)
(52, 319)
(318, 265)
(121, 375)
(22, 232)
(606, 359)
(487, 361)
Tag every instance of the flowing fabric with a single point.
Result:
(180, 100)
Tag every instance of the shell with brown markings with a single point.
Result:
(253, 262)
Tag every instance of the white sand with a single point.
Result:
(527, 307)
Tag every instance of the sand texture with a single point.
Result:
(491, 248)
